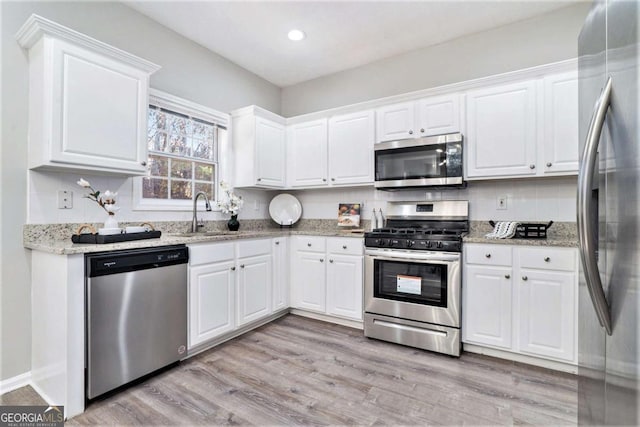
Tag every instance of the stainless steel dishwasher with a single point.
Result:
(136, 314)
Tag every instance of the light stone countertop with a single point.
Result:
(56, 238)
(562, 234)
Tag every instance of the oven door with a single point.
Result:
(423, 162)
(420, 286)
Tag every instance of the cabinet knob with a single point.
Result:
(324, 179)
(507, 276)
(344, 246)
(525, 278)
(309, 244)
(532, 166)
(422, 130)
(321, 259)
(259, 179)
(233, 269)
(331, 261)
(143, 163)
(547, 259)
(333, 179)
(410, 132)
(277, 243)
(487, 255)
(549, 164)
(241, 265)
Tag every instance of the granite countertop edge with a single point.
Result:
(66, 247)
(559, 242)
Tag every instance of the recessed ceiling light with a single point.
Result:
(296, 35)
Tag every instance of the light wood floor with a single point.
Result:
(297, 371)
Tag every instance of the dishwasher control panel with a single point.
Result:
(137, 259)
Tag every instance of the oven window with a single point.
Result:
(411, 282)
(428, 161)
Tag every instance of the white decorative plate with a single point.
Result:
(285, 209)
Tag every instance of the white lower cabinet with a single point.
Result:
(280, 253)
(231, 284)
(521, 299)
(327, 275)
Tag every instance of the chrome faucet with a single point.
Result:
(194, 223)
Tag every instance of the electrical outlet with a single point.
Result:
(501, 203)
(256, 205)
(65, 199)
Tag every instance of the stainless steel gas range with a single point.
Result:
(413, 275)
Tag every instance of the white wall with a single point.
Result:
(188, 70)
(548, 199)
(548, 38)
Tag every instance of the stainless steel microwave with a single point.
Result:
(430, 161)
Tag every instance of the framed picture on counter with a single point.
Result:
(349, 214)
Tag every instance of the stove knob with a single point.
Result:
(392, 242)
(439, 245)
(410, 243)
(381, 242)
(428, 243)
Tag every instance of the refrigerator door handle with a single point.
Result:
(586, 234)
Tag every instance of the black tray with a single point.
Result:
(527, 230)
(114, 238)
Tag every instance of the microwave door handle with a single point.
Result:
(586, 234)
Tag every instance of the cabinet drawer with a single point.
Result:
(548, 258)
(488, 254)
(247, 248)
(210, 252)
(310, 244)
(347, 246)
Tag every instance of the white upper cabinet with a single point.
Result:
(351, 140)
(501, 130)
(439, 115)
(87, 101)
(430, 116)
(308, 154)
(560, 147)
(395, 121)
(259, 148)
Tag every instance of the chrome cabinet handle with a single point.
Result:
(331, 261)
(277, 243)
(547, 259)
(549, 164)
(143, 163)
(525, 278)
(410, 132)
(507, 276)
(487, 255)
(309, 244)
(333, 179)
(241, 265)
(422, 130)
(344, 246)
(259, 179)
(324, 179)
(587, 243)
(532, 166)
(233, 269)
(321, 260)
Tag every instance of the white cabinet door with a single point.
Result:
(501, 131)
(308, 281)
(280, 253)
(211, 301)
(254, 288)
(351, 140)
(486, 297)
(308, 159)
(395, 122)
(547, 303)
(344, 286)
(439, 115)
(270, 153)
(561, 123)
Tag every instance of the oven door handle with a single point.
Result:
(415, 257)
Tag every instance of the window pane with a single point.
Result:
(207, 188)
(158, 166)
(202, 149)
(181, 189)
(178, 145)
(177, 124)
(155, 188)
(158, 142)
(204, 172)
(181, 169)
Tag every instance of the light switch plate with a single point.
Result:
(65, 199)
(501, 203)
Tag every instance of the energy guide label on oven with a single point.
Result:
(409, 284)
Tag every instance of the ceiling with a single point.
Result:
(340, 34)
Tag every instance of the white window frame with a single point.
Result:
(179, 105)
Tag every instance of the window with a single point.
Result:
(183, 141)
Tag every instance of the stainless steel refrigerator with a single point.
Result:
(608, 215)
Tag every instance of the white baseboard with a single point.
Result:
(326, 318)
(15, 383)
(44, 396)
(529, 360)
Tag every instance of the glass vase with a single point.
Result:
(233, 224)
(111, 221)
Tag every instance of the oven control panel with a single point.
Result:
(413, 244)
